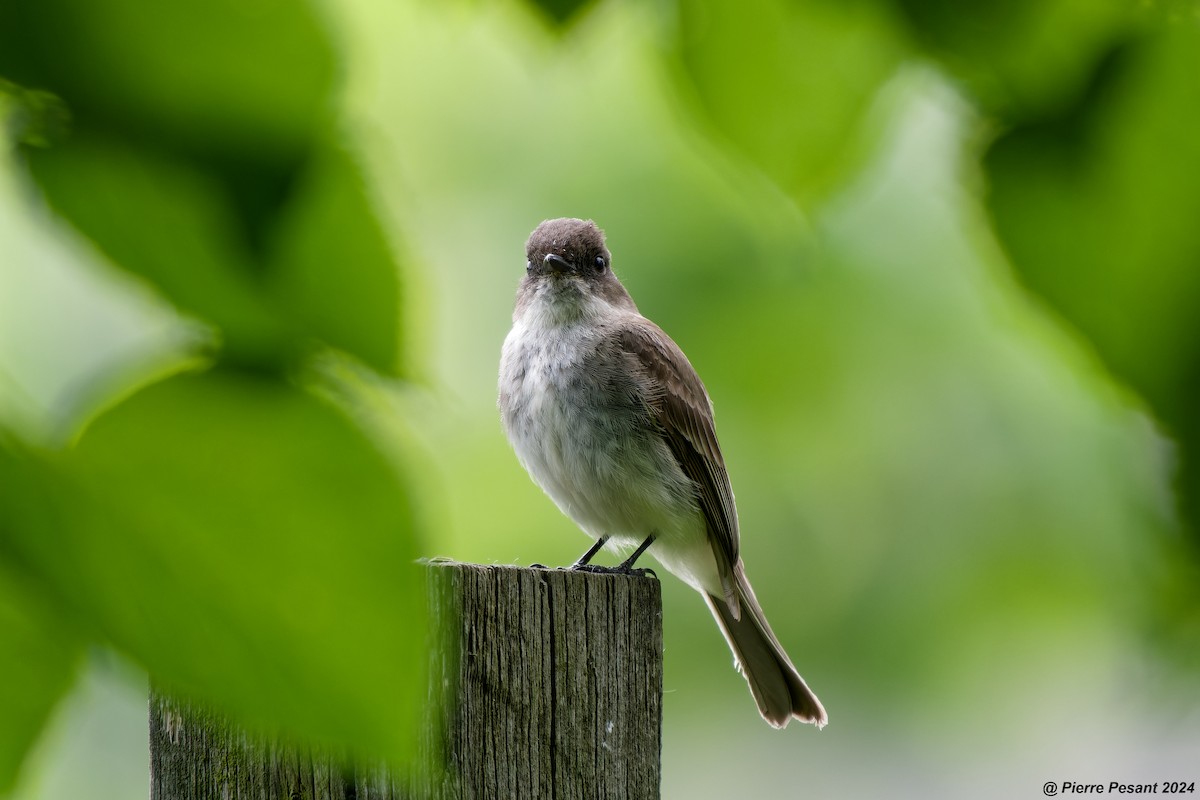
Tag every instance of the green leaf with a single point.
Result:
(1019, 57)
(39, 649)
(787, 82)
(1098, 209)
(164, 219)
(251, 80)
(198, 163)
(330, 275)
(331, 263)
(250, 547)
(560, 11)
(39, 656)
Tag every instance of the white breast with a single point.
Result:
(586, 446)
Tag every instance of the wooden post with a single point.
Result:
(554, 690)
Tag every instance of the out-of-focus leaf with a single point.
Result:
(187, 79)
(39, 659)
(250, 547)
(1022, 57)
(786, 82)
(1098, 208)
(39, 653)
(200, 163)
(331, 264)
(37, 662)
(162, 218)
(234, 78)
(32, 117)
(560, 11)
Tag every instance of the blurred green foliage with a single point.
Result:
(934, 262)
(1020, 58)
(200, 526)
(237, 535)
(39, 659)
(215, 172)
(814, 69)
(1115, 169)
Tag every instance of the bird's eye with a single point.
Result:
(600, 263)
(528, 266)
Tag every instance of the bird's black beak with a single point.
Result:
(556, 263)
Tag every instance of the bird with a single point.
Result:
(610, 419)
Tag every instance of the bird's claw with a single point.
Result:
(596, 569)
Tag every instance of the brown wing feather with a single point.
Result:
(684, 412)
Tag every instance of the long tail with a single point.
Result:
(777, 687)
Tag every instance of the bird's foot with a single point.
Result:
(620, 569)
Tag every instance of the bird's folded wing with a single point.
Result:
(684, 413)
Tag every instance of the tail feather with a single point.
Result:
(778, 689)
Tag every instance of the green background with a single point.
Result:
(939, 268)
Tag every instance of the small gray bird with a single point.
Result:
(611, 420)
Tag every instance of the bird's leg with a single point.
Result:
(587, 557)
(624, 568)
(627, 564)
